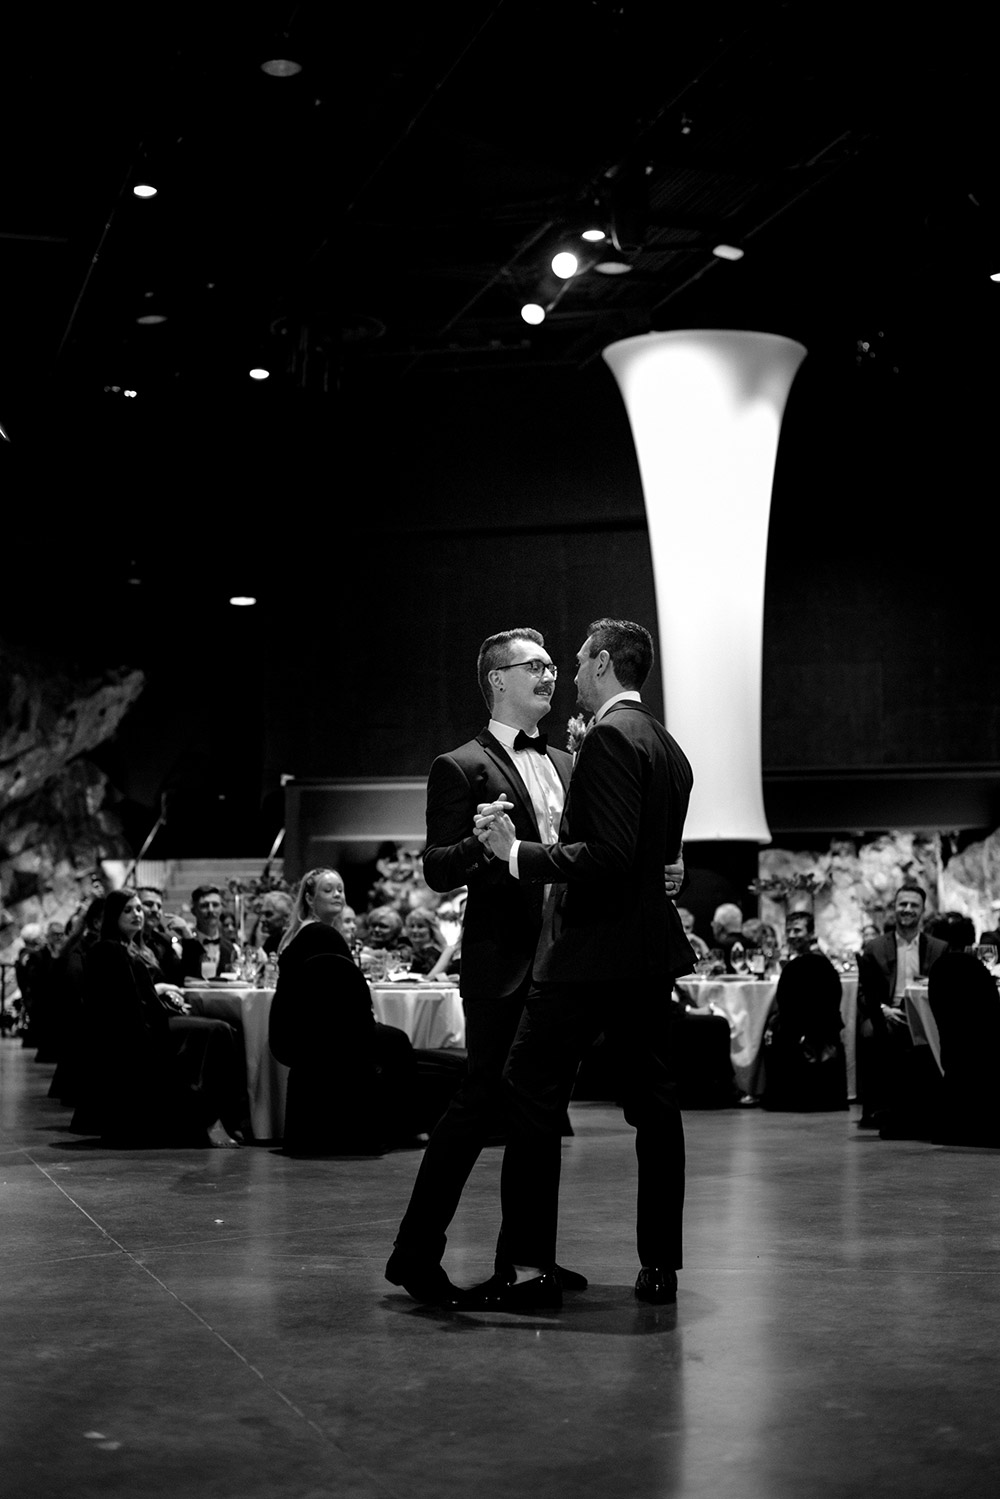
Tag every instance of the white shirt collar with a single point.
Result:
(506, 734)
(619, 697)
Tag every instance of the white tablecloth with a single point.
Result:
(747, 1004)
(920, 1018)
(430, 1014)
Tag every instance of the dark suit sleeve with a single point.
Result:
(454, 856)
(607, 792)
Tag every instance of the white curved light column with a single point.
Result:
(706, 409)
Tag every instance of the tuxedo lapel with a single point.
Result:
(505, 765)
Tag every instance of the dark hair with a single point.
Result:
(629, 645)
(495, 651)
(806, 916)
(203, 890)
(113, 908)
(914, 890)
(952, 927)
(149, 890)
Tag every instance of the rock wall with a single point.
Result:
(55, 822)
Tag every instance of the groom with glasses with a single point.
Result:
(510, 760)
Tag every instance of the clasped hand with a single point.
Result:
(494, 828)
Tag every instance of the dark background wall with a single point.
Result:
(387, 532)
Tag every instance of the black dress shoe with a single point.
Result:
(502, 1294)
(425, 1283)
(571, 1280)
(656, 1284)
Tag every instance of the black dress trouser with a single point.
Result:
(473, 1116)
(560, 1022)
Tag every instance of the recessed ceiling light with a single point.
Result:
(242, 601)
(533, 313)
(727, 252)
(149, 318)
(594, 236)
(280, 67)
(144, 190)
(260, 374)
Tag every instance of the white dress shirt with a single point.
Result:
(630, 696)
(541, 781)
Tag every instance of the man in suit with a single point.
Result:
(887, 965)
(611, 947)
(209, 948)
(510, 761)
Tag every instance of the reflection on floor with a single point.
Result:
(215, 1323)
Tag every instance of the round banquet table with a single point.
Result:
(430, 1014)
(746, 1004)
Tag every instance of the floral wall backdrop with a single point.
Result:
(852, 883)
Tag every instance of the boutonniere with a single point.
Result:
(576, 730)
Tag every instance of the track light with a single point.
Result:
(565, 264)
(727, 252)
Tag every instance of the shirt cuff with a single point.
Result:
(512, 858)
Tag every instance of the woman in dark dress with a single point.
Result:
(153, 1075)
(351, 1081)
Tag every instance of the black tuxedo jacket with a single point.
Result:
(624, 820)
(192, 953)
(502, 915)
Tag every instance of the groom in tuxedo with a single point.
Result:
(611, 946)
(508, 761)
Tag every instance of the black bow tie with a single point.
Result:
(522, 741)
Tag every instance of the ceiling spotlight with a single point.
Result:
(242, 601)
(144, 190)
(533, 313)
(565, 264)
(148, 319)
(612, 262)
(257, 373)
(594, 236)
(727, 252)
(995, 276)
(280, 67)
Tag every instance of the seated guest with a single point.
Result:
(273, 915)
(727, 928)
(800, 933)
(805, 1068)
(351, 1082)
(383, 928)
(431, 955)
(165, 945)
(209, 952)
(31, 968)
(699, 946)
(963, 998)
(229, 928)
(347, 926)
(890, 1078)
(153, 1075)
(957, 931)
(84, 932)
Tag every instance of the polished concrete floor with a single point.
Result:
(215, 1323)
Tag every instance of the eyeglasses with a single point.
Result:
(536, 667)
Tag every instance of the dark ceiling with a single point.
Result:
(382, 214)
(368, 227)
